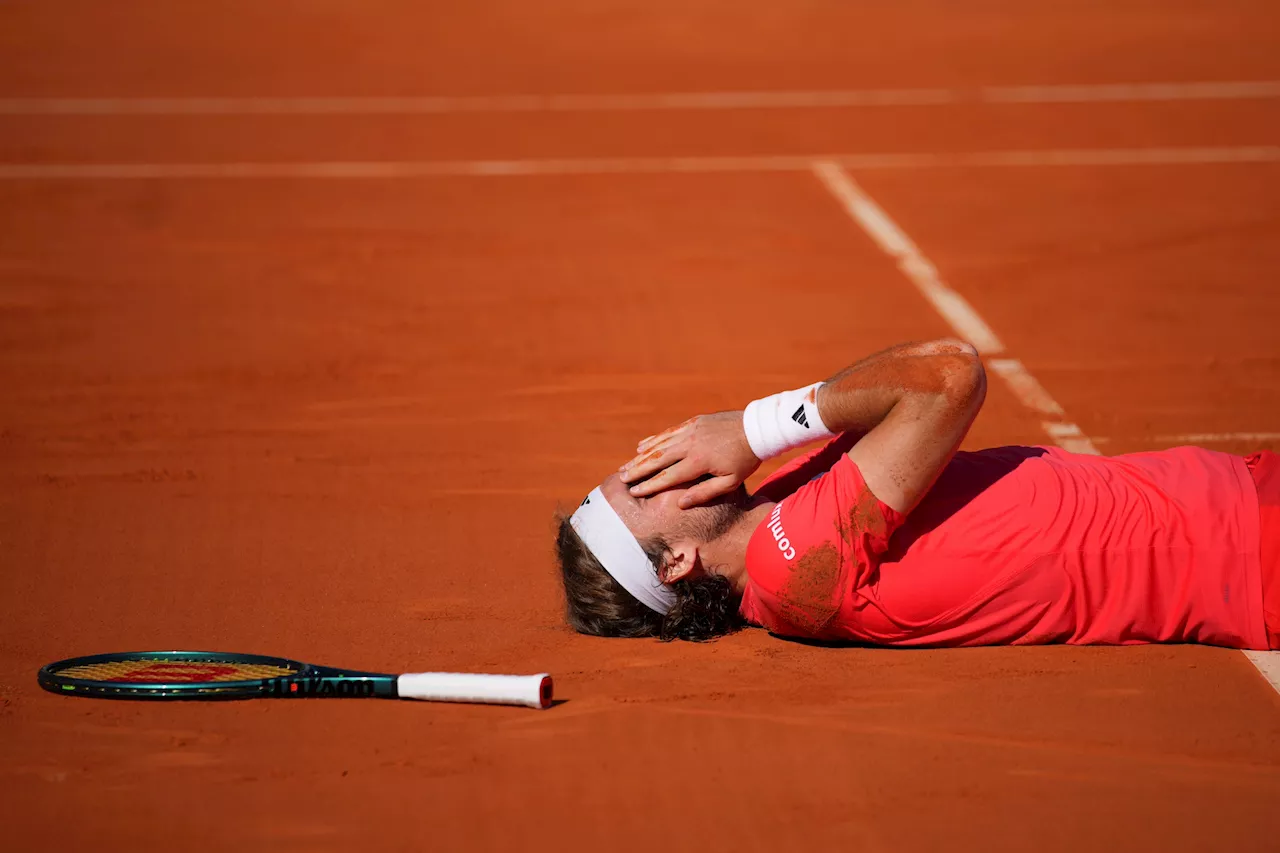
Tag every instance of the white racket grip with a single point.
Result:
(532, 691)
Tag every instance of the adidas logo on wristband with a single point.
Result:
(772, 426)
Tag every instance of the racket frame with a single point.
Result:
(308, 680)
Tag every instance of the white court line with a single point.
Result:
(953, 307)
(1069, 437)
(895, 243)
(1198, 438)
(1211, 437)
(1268, 663)
(428, 105)
(915, 266)
(1132, 92)
(1025, 386)
(639, 165)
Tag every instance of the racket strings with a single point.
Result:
(170, 671)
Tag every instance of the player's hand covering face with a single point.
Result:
(707, 446)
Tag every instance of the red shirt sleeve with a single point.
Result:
(795, 473)
(818, 547)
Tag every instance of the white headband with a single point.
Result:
(618, 551)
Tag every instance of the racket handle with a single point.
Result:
(531, 691)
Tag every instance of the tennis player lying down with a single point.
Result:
(887, 535)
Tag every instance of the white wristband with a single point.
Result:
(784, 421)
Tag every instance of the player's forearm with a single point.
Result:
(940, 376)
(910, 407)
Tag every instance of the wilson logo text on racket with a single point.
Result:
(319, 686)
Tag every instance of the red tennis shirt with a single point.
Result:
(1014, 545)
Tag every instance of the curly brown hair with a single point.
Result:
(595, 603)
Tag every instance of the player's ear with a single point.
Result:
(681, 561)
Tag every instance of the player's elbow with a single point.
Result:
(949, 346)
(964, 379)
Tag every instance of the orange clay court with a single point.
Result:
(313, 313)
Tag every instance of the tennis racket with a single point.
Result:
(219, 675)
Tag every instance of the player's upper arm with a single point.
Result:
(902, 456)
